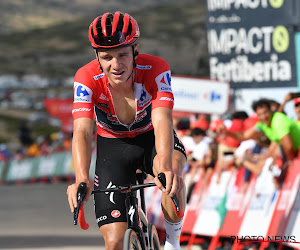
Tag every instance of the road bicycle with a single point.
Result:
(140, 234)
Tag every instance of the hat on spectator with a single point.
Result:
(200, 123)
(296, 101)
(250, 122)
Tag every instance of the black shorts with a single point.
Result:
(116, 165)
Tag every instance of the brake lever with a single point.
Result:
(162, 178)
(81, 192)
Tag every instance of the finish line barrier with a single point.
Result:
(221, 210)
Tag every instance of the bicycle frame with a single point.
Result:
(137, 215)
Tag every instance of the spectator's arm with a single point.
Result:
(242, 136)
(272, 151)
(255, 168)
(287, 145)
(287, 98)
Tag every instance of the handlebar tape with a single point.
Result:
(176, 205)
(79, 210)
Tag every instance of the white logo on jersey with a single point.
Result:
(131, 213)
(96, 77)
(80, 109)
(82, 93)
(103, 97)
(163, 81)
(111, 196)
(166, 99)
(144, 66)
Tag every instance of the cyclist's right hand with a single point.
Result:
(72, 194)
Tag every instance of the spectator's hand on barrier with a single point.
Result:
(72, 195)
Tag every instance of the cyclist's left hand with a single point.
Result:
(174, 183)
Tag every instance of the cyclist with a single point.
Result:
(130, 97)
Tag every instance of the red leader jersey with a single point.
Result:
(92, 97)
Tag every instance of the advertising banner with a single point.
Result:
(293, 227)
(194, 206)
(198, 95)
(287, 198)
(210, 219)
(62, 110)
(260, 211)
(237, 204)
(251, 43)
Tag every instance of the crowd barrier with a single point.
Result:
(52, 167)
(225, 210)
(221, 210)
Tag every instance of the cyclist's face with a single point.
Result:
(117, 64)
(264, 114)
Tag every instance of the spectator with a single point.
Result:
(210, 162)
(44, 143)
(228, 145)
(197, 160)
(179, 127)
(5, 154)
(261, 165)
(33, 150)
(24, 134)
(201, 123)
(246, 148)
(276, 126)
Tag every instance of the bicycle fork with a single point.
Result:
(133, 219)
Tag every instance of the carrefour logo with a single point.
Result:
(163, 81)
(144, 98)
(82, 93)
(212, 96)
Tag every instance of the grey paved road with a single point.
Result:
(37, 217)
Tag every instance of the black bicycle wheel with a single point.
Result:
(131, 241)
(153, 236)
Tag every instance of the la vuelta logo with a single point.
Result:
(260, 239)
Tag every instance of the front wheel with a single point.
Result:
(153, 236)
(131, 241)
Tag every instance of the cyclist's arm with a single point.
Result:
(82, 148)
(81, 152)
(164, 142)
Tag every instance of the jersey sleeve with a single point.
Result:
(162, 95)
(83, 105)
